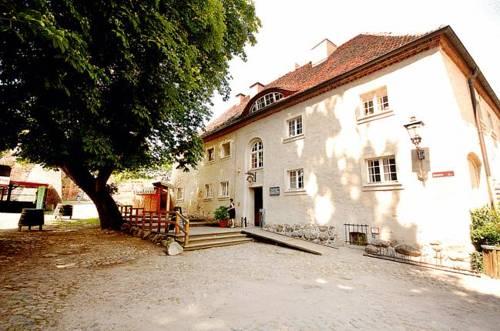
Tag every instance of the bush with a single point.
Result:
(485, 227)
(476, 261)
(221, 213)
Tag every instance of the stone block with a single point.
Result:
(174, 248)
(370, 249)
(407, 250)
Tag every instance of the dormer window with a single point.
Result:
(265, 101)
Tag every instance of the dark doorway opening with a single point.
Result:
(258, 205)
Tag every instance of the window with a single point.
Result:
(209, 193)
(382, 170)
(265, 101)
(224, 189)
(295, 126)
(257, 155)
(296, 179)
(375, 102)
(383, 103)
(180, 193)
(211, 154)
(226, 149)
(368, 106)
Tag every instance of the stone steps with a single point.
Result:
(213, 238)
(204, 243)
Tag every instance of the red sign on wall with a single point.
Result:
(440, 174)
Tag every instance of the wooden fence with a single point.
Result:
(491, 259)
(160, 222)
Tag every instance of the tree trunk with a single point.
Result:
(109, 215)
(95, 187)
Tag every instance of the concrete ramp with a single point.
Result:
(301, 245)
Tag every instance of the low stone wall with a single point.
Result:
(319, 234)
(161, 239)
(435, 253)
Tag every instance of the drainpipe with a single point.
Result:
(477, 119)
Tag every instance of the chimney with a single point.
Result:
(322, 51)
(240, 97)
(256, 88)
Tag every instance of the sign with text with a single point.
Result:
(439, 174)
(274, 191)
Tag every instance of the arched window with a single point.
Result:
(265, 101)
(257, 154)
(474, 170)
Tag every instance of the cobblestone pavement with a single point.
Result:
(88, 280)
(39, 270)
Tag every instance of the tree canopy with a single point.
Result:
(93, 87)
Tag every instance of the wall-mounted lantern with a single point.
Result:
(414, 131)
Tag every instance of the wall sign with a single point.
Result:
(439, 174)
(274, 191)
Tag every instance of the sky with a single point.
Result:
(292, 27)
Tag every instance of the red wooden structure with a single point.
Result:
(159, 200)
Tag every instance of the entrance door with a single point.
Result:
(258, 204)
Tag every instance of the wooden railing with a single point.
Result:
(160, 222)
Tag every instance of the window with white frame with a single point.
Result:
(296, 179)
(375, 102)
(209, 192)
(295, 126)
(265, 101)
(257, 155)
(180, 193)
(382, 170)
(224, 189)
(211, 154)
(225, 149)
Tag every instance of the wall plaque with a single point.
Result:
(439, 174)
(274, 191)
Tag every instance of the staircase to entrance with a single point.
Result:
(208, 237)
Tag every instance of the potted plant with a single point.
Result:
(221, 214)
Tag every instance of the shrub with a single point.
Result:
(476, 261)
(221, 213)
(485, 227)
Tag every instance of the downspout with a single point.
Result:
(477, 119)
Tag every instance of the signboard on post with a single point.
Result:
(274, 191)
(4, 175)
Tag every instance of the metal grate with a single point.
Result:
(356, 234)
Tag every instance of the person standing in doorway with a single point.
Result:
(232, 213)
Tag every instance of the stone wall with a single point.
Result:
(319, 234)
(435, 253)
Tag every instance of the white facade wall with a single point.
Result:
(333, 155)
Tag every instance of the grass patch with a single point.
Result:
(79, 222)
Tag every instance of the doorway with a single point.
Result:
(258, 205)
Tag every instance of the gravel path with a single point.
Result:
(102, 281)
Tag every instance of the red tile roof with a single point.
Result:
(356, 52)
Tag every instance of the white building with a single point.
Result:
(326, 144)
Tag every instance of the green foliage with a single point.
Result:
(151, 172)
(221, 213)
(485, 227)
(115, 84)
(476, 261)
(95, 87)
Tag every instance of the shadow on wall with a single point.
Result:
(338, 195)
